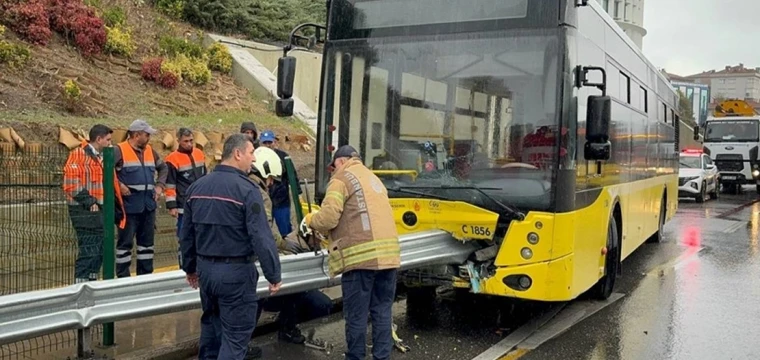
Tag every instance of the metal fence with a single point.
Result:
(38, 245)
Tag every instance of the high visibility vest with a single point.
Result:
(83, 172)
(139, 177)
(184, 169)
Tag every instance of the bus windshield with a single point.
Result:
(469, 117)
(732, 131)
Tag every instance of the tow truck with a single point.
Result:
(732, 140)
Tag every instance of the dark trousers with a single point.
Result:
(281, 217)
(179, 251)
(368, 293)
(89, 230)
(142, 226)
(296, 308)
(229, 304)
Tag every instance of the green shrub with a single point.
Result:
(2, 31)
(15, 55)
(114, 17)
(71, 90)
(171, 47)
(119, 42)
(219, 58)
(172, 67)
(173, 8)
(192, 70)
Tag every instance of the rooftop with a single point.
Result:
(728, 70)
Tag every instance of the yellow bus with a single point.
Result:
(535, 129)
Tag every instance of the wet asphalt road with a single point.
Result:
(694, 296)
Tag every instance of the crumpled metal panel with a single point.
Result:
(36, 313)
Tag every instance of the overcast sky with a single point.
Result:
(689, 36)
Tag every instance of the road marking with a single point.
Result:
(733, 228)
(672, 264)
(503, 347)
(538, 331)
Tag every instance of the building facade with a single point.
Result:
(733, 82)
(629, 15)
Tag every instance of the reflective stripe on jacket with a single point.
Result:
(357, 214)
(83, 181)
(139, 177)
(184, 169)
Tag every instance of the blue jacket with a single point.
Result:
(280, 191)
(224, 216)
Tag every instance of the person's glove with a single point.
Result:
(304, 229)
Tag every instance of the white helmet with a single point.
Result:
(267, 163)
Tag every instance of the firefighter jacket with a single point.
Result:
(83, 182)
(183, 169)
(357, 214)
(137, 170)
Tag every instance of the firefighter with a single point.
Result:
(186, 165)
(142, 177)
(293, 308)
(83, 186)
(280, 191)
(364, 247)
(224, 228)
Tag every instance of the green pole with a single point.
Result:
(109, 251)
(294, 188)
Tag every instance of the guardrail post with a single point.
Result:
(84, 340)
(109, 240)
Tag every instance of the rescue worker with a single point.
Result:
(137, 167)
(83, 186)
(280, 191)
(364, 247)
(224, 227)
(249, 128)
(292, 308)
(185, 165)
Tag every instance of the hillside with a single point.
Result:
(34, 99)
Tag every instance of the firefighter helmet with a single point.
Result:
(267, 163)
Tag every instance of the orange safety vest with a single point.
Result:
(139, 177)
(184, 169)
(83, 172)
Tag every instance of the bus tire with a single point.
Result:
(604, 287)
(657, 237)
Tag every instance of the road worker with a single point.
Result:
(266, 171)
(280, 191)
(364, 248)
(142, 178)
(186, 165)
(224, 226)
(83, 186)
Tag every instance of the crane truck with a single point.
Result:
(732, 140)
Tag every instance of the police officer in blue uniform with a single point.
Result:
(224, 226)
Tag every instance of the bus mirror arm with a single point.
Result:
(286, 68)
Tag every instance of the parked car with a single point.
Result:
(697, 176)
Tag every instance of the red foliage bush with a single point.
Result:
(151, 69)
(30, 20)
(75, 19)
(168, 80)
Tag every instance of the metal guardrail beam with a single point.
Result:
(83, 305)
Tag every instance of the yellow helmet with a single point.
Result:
(267, 163)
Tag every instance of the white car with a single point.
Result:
(697, 176)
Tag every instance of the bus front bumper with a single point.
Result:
(544, 281)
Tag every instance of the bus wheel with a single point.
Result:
(603, 289)
(657, 237)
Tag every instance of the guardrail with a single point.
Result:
(83, 305)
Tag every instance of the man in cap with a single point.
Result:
(142, 178)
(249, 128)
(364, 247)
(280, 191)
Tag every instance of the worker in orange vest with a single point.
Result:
(83, 186)
(186, 164)
(142, 177)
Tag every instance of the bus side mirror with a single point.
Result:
(696, 133)
(598, 118)
(286, 74)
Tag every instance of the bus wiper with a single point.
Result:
(404, 189)
(517, 214)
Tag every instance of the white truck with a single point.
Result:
(732, 140)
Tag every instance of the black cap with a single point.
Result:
(249, 125)
(344, 151)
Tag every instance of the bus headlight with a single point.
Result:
(526, 253)
(533, 238)
(755, 173)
